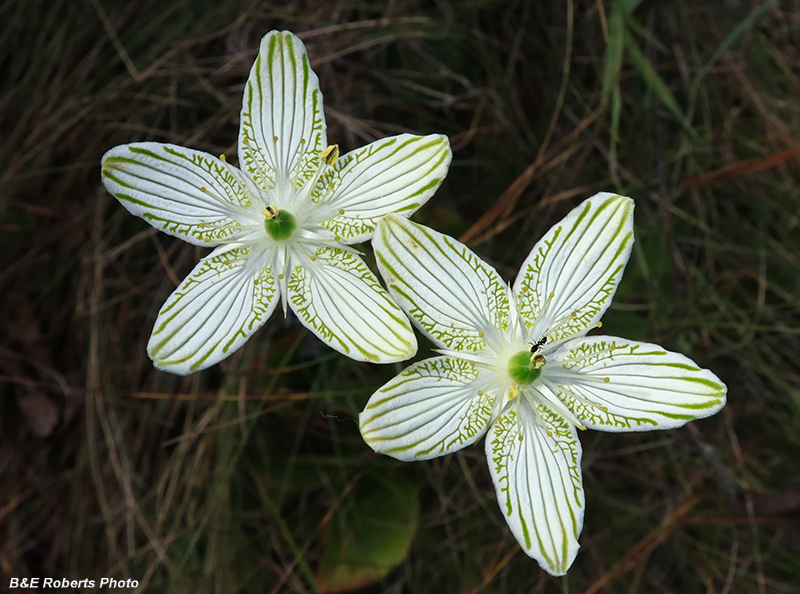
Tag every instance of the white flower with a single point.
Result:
(516, 362)
(282, 224)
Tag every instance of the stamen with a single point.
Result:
(330, 155)
(538, 361)
(327, 158)
(270, 212)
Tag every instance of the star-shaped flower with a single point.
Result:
(282, 225)
(517, 362)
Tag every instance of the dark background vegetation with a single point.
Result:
(252, 476)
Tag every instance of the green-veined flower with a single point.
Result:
(282, 225)
(516, 362)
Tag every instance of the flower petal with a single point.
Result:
(454, 297)
(339, 299)
(435, 407)
(535, 462)
(568, 280)
(182, 192)
(228, 296)
(616, 385)
(397, 174)
(282, 127)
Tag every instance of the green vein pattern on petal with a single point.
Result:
(535, 462)
(422, 267)
(342, 302)
(617, 385)
(568, 280)
(392, 175)
(182, 192)
(282, 127)
(432, 408)
(228, 296)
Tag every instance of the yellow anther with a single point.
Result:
(480, 392)
(574, 314)
(222, 157)
(275, 139)
(519, 437)
(549, 433)
(337, 238)
(538, 360)
(480, 334)
(341, 211)
(202, 225)
(582, 427)
(552, 295)
(270, 212)
(512, 393)
(280, 276)
(203, 188)
(605, 409)
(302, 141)
(599, 325)
(606, 379)
(255, 282)
(313, 258)
(330, 155)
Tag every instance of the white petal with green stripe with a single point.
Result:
(228, 296)
(282, 127)
(568, 280)
(613, 384)
(393, 175)
(535, 462)
(339, 299)
(454, 297)
(182, 192)
(432, 408)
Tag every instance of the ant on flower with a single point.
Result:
(535, 346)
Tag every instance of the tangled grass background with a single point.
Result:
(252, 476)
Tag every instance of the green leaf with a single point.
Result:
(737, 32)
(370, 534)
(651, 78)
(628, 6)
(616, 41)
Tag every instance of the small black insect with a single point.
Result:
(535, 346)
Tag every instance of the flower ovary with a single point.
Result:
(524, 368)
(280, 225)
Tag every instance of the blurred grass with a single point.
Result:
(226, 481)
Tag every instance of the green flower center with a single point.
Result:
(524, 367)
(280, 225)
